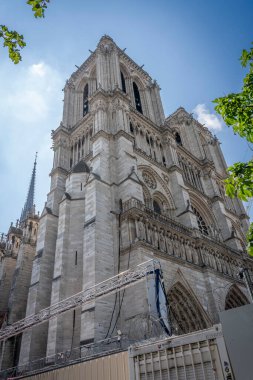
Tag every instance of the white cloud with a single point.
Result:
(30, 107)
(210, 120)
(38, 69)
(30, 96)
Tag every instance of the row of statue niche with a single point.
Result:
(177, 246)
(219, 262)
(166, 241)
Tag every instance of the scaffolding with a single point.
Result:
(110, 286)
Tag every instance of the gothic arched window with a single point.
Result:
(178, 139)
(201, 223)
(85, 100)
(123, 82)
(137, 97)
(157, 207)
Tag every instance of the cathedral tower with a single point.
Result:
(127, 185)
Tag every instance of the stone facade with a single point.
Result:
(17, 253)
(128, 185)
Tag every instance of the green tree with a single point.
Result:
(15, 41)
(236, 110)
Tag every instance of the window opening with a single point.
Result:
(201, 223)
(123, 82)
(137, 98)
(156, 207)
(85, 100)
(178, 139)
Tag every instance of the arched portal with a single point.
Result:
(235, 298)
(185, 312)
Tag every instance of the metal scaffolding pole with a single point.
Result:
(109, 286)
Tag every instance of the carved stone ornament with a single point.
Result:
(106, 47)
(149, 180)
(99, 105)
(70, 84)
(165, 177)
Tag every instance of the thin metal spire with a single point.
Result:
(28, 207)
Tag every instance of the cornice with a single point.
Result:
(101, 133)
(59, 170)
(86, 119)
(123, 133)
(59, 130)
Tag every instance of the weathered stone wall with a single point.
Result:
(148, 184)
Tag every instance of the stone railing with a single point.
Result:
(166, 218)
(169, 237)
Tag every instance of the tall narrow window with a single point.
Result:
(156, 207)
(137, 98)
(123, 82)
(201, 223)
(85, 100)
(178, 139)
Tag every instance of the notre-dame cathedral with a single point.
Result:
(127, 184)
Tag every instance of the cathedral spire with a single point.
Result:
(29, 204)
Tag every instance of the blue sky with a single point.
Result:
(190, 47)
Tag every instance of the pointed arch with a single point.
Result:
(125, 70)
(187, 314)
(203, 209)
(82, 77)
(235, 298)
(160, 203)
(146, 196)
(164, 186)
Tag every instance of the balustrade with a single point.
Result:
(164, 234)
(165, 218)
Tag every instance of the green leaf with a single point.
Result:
(38, 7)
(237, 109)
(13, 41)
(250, 240)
